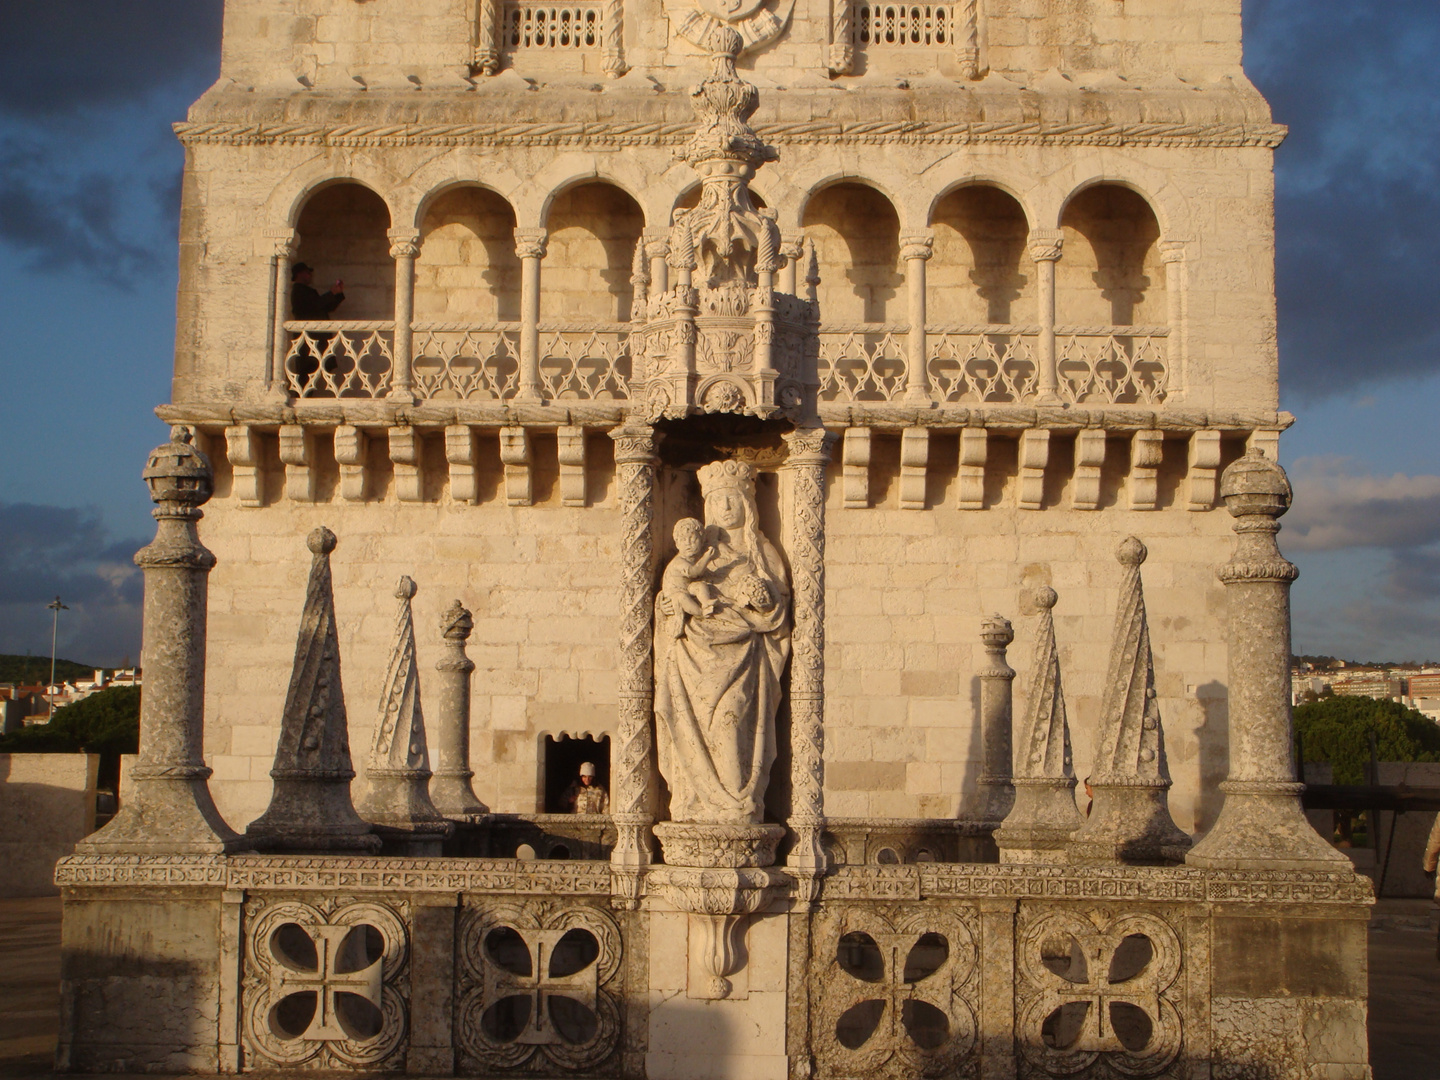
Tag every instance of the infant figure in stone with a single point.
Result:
(717, 676)
(683, 582)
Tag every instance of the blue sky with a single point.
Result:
(89, 191)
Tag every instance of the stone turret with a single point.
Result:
(1130, 819)
(310, 808)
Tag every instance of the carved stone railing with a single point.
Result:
(552, 26)
(590, 363)
(865, 362)
(899, 25)
(982, 363)
(1114, 365)
(339, 359)
(466, 361)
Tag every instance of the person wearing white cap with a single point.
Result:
(585, 796)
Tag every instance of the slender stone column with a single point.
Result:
(792, 246)
(997, 792)
(916, 251)
(657, 250)
(1045, 247)
(613, 63)
(285, 244)
(965, 33)
(1172, 254)
(842, 37)
(682, 260)
(404, 246)
(809, 453)
(1261, 826)
(630, 765)
(530, 247)
(170, 810)
(450, 787)
(486, 59)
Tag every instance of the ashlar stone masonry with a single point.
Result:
(849, 427)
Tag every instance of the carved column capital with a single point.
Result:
(1045, 244)
(283, 242)
(656, 246)
(1172, 251)
(530, 243)
(404, 243)
(809, 446)
(917, 246)
(635, 444)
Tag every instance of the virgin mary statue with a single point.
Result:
(718, 664)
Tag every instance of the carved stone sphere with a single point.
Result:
(321, 541)
(1253, 484)
(1045, 597)
(1131, 552)
(178, 471)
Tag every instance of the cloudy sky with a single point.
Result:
(89, 188)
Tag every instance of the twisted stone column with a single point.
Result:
(1261, 826)
(450, 787)
(630, 764)
(613, 63)
(170, 810)
(809, 453)
(997, 793)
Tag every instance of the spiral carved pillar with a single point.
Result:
(809, 454)
(630, 766)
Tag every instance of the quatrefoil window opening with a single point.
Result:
(535, 1002)
(333, 976)
(1063, 955)
(860, 957)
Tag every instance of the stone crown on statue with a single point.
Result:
(720, 475)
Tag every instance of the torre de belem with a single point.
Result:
(833, 439)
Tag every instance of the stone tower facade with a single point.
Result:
(710, 372)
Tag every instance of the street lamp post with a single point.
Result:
(56, 606)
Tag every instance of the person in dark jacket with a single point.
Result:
(306, 304)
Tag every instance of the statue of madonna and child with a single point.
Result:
(722, 636)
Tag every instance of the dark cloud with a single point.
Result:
(1358, 186)
(1337, 507)
(47, 551)
(60, 55)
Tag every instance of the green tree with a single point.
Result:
(36, 669)
(1337, 730)
(105, 723)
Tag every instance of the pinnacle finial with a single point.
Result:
(321, 541)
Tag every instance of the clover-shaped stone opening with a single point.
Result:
(858, 1023)
(1132, 957)
(1132, 1025)
(573, 953)
(294, 949)
(925, 1024)
(1062, 955)
(575, 1022)
(507, 949)
(859, 956)
(506, 1019)
(1063, 1027)
(926, 957)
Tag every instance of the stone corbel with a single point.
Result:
(242, 449)
(914, 459)
(407, 455)
(352, 447)
(1146, 451)
(1034, 455)
(720, 904)
(295, 453)
(571, 442)
(855, 459)
(970, 481)
(516, 456)
(1267, 441)
(1204, 465)
(1089, 460)
(460, 456)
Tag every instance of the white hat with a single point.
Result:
(587, 768)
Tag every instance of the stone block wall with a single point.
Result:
(47, 803)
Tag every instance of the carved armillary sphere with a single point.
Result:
(1253, 484)
(724, 103)
(179, 471)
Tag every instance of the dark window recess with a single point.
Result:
(563, 757)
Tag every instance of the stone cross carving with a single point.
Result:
(327, 981)
(1044, 815)
(717, 673)
(539, 985)
(1130, 819)
(399, 766)
(310, 807)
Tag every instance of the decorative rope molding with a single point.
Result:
(660, 133)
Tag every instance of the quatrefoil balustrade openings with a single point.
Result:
(1097, 987)
(534, 987)
(323, 987)
(894, 994)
